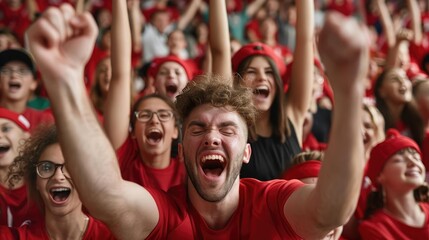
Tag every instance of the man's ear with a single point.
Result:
(247, 153)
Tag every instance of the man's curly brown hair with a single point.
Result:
(218, 92)
(23, 167)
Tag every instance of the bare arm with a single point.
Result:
(32, 9)
(303, 67)
(416, 21)
(61, 42)
(220, 45)
(386, 21)
(135, 16)
(80, 6)
(188, 14)
(313, 211)
(253, 7)
(118, 101)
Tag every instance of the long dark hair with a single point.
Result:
(410, 114)
(278, 116)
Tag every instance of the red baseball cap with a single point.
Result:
(18, 119)
(383, 151)
(157, 62)
(257, 49)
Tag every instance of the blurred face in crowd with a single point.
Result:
(17, 81)
(161, 20)
(171, 79)
(396, 87)
(10, 136)
(104, 75)
(176, 42)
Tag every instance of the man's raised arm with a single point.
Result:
(314, 211)
(61, 42)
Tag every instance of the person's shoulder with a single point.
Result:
(251, 185)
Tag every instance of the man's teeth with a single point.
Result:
(60, 189)
(212, 157)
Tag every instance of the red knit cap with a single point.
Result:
(257, 49)
(157, 62)
(18, 119)
(383, 151)
(303, 170)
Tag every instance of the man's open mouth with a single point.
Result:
(60, 195)
(213, 165)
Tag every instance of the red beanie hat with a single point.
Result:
(383, 151)
(306, 169)
(18, 119)
(157, 62)
(257, 49)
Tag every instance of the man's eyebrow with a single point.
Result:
(228, 124)
(197, 123)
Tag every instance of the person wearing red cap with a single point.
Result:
(169, 75)
(16, 208)
(40, 165)
(215, 202)
(278, 130)
(17, 85)
(398, 207)
(145, 152)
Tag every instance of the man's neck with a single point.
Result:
(216, 214)
(17, 106)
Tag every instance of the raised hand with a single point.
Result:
(61, 42)
(344, 50)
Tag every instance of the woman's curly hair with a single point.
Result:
(23, 167)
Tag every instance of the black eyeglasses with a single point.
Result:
(47, 169)
(146, 115)
(7, 72)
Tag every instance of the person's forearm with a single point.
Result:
(300, 90)
(220, 45)
(89, 157)
(118, 102)
(416, 21)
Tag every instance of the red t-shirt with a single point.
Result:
(16, 208)
(311, 144)
(259, 214)
(36, 117)
(37, 231)
(383, 226)
(133, 169)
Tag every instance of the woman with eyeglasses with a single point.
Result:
(40, 164)
(144, 153)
